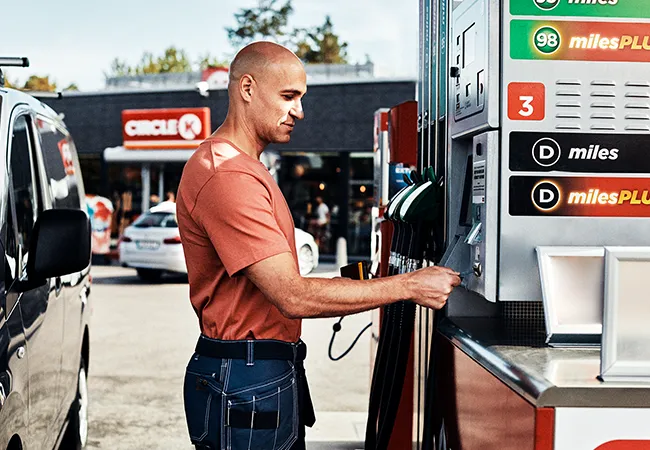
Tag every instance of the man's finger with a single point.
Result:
(449, 270)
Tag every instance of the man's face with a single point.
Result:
(278, 103)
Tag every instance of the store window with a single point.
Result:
(360, 203)
(326, 201)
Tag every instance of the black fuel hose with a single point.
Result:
(430, 393)
(401, 340)
(398, 323)
(384, 354)
(389, 373)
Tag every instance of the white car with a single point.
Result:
(152, 245)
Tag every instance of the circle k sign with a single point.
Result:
(546, 196)
(546, 152)
(189, 126)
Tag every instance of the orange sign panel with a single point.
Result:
(179, 128)
(526, 101)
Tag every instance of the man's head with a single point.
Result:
(319, 200)
(267, 83)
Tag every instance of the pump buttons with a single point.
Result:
(477, 269)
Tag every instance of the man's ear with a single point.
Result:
(246, 87)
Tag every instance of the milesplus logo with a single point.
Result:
(622, 197)
(579, 196)
(596, 41)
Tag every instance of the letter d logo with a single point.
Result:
(546, 152)
(546, 195)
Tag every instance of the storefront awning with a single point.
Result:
(122, 155)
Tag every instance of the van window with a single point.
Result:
(23, 199)
(59, 159)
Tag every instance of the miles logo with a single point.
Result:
(594, 152)
(593, 2)
(547, 152)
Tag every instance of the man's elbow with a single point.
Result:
(291, 302)
(290, 307)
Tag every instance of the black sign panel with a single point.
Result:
(580, 152)
(571, 196)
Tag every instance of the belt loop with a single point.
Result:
(294, 347)
(250, 356)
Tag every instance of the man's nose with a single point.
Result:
(297, 111)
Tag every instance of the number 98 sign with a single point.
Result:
(526, 101)
(546, 5)
(546, 40)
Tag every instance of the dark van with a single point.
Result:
(44, 294)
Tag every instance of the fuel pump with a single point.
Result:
(413, 211)
(540, 116)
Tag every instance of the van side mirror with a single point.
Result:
(60, 244)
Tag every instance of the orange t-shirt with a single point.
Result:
(232, 214)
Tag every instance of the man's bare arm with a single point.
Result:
(297, 297)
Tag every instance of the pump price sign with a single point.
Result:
(580, 41)
(581, 8)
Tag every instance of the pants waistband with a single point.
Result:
(250, 350)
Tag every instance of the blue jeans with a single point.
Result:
(232, 404)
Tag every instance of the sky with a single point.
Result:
(74, 41)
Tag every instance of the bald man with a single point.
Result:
(245, 385)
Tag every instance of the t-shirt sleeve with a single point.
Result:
(236, 211)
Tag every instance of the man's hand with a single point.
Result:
(431, 286)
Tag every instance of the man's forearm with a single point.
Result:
(277, 277)
(322, 297)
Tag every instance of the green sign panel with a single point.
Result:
(638, 9)
(580, 40)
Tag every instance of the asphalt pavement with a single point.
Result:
(142, 336)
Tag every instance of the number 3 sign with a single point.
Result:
(526, 101)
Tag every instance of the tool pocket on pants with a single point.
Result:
(203, 398)
(263, 416)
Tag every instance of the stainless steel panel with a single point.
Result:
(625, 353)
(485, 198)
(572, 287)
(474, 94)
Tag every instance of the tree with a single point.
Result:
(172, 60)
(268, 20)
(119, 68)
(71, 87)
(43, 84)
(320, 45)
(208, 60)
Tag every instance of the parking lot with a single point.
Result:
(141, 338)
